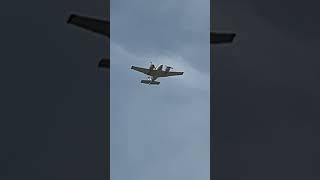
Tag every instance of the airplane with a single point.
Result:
(155, 72)
(95, 25)
(220, 38)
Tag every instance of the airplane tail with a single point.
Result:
(150, 82)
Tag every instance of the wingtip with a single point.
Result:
(71, 17)
(233, 36)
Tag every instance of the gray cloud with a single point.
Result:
(165, 128)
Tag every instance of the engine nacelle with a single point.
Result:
(152, 67)
(160, 67)
(168, 68)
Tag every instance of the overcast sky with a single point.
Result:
(160, 132)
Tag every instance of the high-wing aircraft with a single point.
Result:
(155, 72)
(219, 38)
(95, 25)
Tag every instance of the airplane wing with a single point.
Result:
(173, 73)
(217, 38)
(91, 24)
(142, 70)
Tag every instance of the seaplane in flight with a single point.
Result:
(154, 73)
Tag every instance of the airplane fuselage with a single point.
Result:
(156, 72)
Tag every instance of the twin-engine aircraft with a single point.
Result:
(155, 72)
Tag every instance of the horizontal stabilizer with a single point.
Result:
(218, 38)
(91, 24)
(150, 82)
(104, 63)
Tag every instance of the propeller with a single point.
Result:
(169, 67)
